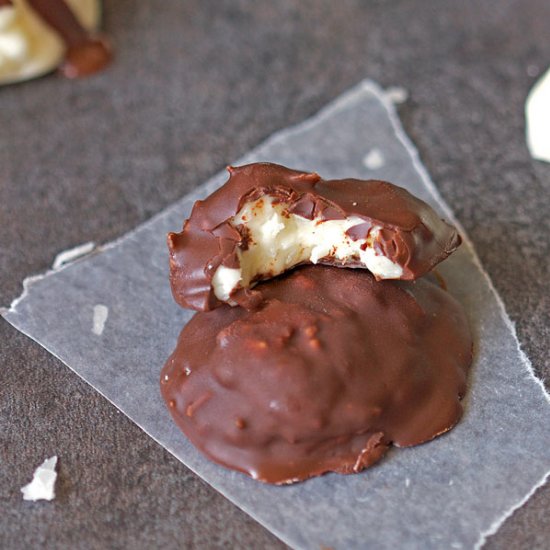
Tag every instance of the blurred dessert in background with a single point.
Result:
(36, 36)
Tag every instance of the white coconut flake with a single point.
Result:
(537, 113)
(42, 486)
(101, 313)
(374, 159)
(396, 94)
(70, 255)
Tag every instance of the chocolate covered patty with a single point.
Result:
(331, 369)
(268, 218)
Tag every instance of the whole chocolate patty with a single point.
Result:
(330, 370)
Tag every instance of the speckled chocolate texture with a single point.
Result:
(412, 235)
(331, 370)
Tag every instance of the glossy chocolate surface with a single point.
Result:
(412, 234)
(329, 371)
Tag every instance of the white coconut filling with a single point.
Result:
(225, 280)
(279, 240)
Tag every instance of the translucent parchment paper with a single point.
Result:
(110, 317)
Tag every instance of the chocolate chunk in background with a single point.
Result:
(325, 375)
(268, 218)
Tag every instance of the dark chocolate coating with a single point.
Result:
(412, 235)
(331, 369)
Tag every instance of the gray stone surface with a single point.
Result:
(195, 85)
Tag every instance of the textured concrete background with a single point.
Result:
(196, 84)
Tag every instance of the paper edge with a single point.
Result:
(30, 280)
(341, 101)
(497, 524)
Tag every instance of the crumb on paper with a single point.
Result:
(71, 254)
(101, 313)
(407, 482)
(374, 159)
(42, 486)
(537, 113)
(396, 94)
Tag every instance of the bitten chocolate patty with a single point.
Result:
(267, 219)
(331, 369)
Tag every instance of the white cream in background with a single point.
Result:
(281, 241)
(537, 112)
(28, 46)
